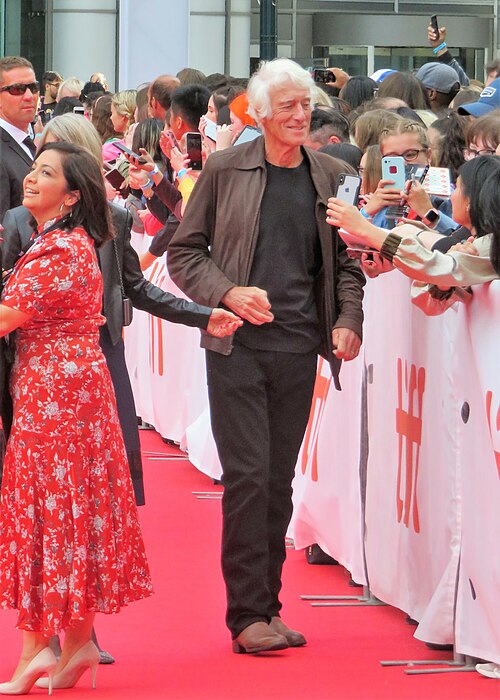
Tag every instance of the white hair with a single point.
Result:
(71, 86)
(271, 76)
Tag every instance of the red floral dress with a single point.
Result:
(70, 540)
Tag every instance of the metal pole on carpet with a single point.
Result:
(342, 601)
(367, 598)
(460, 663)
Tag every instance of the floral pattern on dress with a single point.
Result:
(70, 540)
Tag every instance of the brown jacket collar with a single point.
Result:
(252, 156)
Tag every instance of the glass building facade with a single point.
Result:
(132, 41)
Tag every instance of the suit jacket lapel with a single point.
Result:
(14, 146)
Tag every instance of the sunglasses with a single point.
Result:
(19, 89)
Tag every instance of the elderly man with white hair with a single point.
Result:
(254, 239)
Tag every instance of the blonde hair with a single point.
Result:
(76, 130)
(370, 125)
(124, 103)
(320, 97)
(373, 169)
(406, 126)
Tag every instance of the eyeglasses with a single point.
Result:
(470, 153)
(18, 89)
(53, 84)
(410, 155)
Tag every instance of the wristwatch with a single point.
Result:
(430, 218)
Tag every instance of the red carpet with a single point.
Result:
(175, 645)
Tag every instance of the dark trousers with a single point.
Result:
(259, 406)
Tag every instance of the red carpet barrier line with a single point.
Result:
(423, 508)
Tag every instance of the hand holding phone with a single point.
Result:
(435, 35)
(323, 75)
(115, 178)
(393, 168)
(210, 129)
(348, 188)
(130, 154)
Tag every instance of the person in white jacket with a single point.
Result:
(440, 279)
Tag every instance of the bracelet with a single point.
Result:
(364, 213)
(155, 171)
(181, 172)
(438, 48)
(148, 184)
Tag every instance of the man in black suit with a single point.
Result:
(19, 94)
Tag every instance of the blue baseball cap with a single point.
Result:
(488, 100)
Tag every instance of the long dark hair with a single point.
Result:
(489, 204)
(451, 130)
(81, 172)
(358, 89)
(473, 174)
(406, 87)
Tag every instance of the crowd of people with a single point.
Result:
(275, 264)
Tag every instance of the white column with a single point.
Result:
(153, 39)
(84, 38)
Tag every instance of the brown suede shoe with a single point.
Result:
(257, 637)
(294, 639)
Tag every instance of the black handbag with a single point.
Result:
(127, 308)
(315, 555)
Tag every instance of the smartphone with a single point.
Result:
(211, 130)
(79, 110)
(115, 178)
(348, 188)
(393, 168)
(248, 133)
(435, 26)
(193, 149)
(124, 149)
(323, 75)
(356, 253)
(416, 172)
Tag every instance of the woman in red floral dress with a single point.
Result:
(70, 541)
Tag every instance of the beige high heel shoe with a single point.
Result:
(86, 657)
(43, 663)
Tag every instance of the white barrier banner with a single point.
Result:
(327, 488)
(412, 546)
(478, 601)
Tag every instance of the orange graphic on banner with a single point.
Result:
(310, 448)
(496, 424)
(156, 356)
(409, 429)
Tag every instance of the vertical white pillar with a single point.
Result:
(84, 38)
(153, 39)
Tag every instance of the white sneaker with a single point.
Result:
(489, 670)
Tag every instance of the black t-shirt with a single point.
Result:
(286, 261)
